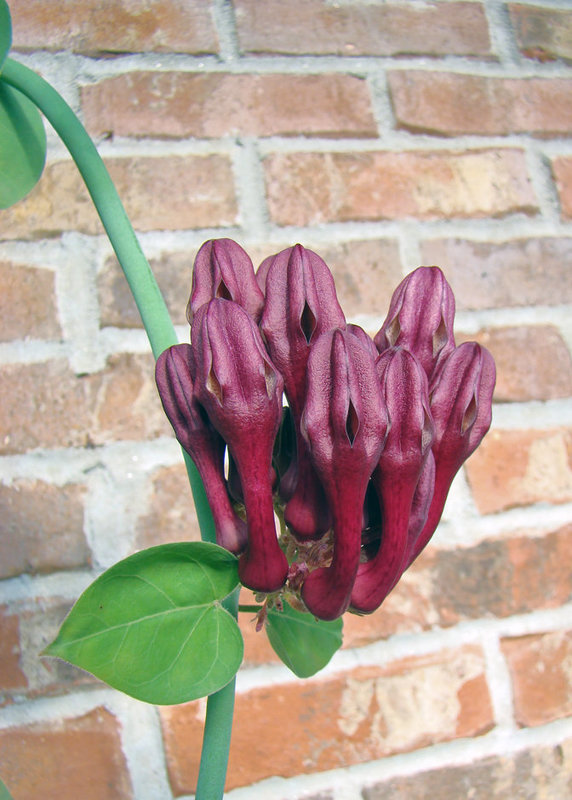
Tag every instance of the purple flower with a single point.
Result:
(241, 391)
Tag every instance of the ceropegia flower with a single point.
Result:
(360, 463)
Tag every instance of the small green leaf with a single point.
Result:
(4, 793)
(5, 31)
(153, 625)
(304, 643)
(22, 145)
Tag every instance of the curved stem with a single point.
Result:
(161, 333)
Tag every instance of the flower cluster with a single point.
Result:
(359, 463)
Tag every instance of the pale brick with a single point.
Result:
(318, 27)
(545, 373)
(159, 193)
(542, 33)
(121, 402)
(27, 303)
(41, 528)
(171, 515)
(562, 169)
(541, 669)
(453, 104)
(522, 272)
(518, 468)
(67, 759)
(542, 772)
(313, 188)
(357, 716)
(181, 104)
(116, 26)
(11, 674)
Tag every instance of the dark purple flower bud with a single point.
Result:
(344, 422)
(223, 269)
(300, 305)
(175, 374)
(420, 318)
(461, 406)
(242, 393)
(409, 436)
(366, 340)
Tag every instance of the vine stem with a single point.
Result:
(161, 334)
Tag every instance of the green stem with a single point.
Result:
(161, 333)
(250, 609)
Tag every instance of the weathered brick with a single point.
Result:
(495, 274)
(542, 772)
(41, 528)
(115, 26)
(496, 578)
(321, 28)
(357, 716)
(545, 373)
(453, 104)
(171, 516)
(562, 169)
(517, 468)
(541, 669)
(542, 33)
(27, 303)
(121, 402)
(67, 759)
(312, 188)
(159, 193)
(181, 104)
(11, 675)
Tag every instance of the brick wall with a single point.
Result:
(383, 135)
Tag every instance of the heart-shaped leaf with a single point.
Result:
(22, 145)
(304, 643)
(153, 625)
(5, 31)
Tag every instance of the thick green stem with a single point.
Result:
(161, 333)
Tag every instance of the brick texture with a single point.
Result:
(452, 104)
(114, 26)
(517, 468)
(562, 168)
(171, 515)
(11, 675)
(541, 670)
(312, 188)
(27, 303)
(322, 28)
(171, 193)
(542, 33)
(357, 716)
(175, 104)
(67, 759)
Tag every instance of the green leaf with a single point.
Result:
(5, 33)
(4, 793)
(22, 145)
(304, 643)
(153, 625)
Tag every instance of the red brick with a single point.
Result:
(523, 272)
(518, 468)
(452, 104)
(27, 303)
(545, 373)
(562, 168)
(542, 33)
(313, 188)
(171, 516)
(121, 402)
(357, 716)
(159, 193)
(320, 28)
(181, 104)
(541, 669)
(11, 675)
(115, 26)
(42, 528)
(542, 772)
(67, 759)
